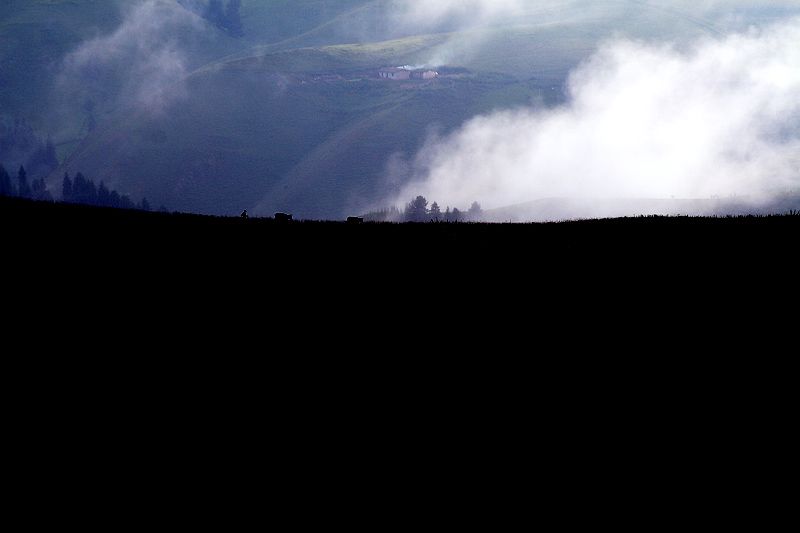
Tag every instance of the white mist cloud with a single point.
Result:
(642, 120)
(142, 59)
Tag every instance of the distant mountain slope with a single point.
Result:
(290, 116)
(273, 21)
(311, 130)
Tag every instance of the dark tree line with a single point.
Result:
(79, 190)
(23, 188)
(417, 210)
(84, 191)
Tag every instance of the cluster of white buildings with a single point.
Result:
(407, 73)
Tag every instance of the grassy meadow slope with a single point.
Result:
(310, 130)
(274, 21)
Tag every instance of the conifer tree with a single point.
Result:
(23, 188)
(6, 186)
(66, 189)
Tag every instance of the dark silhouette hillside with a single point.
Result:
(96, 231)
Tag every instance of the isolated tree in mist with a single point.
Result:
(103, 195)
(436, 211)
(417, 210)
(145, 205)
(66, 189)
(456, 215)
(79, 188)
(23, 188)
(475, 212)
(6, 186)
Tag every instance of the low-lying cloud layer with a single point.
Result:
(642, 121)
(142, 60)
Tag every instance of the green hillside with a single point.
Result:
(291, 115)
(313, 131)
(273, 21)
(253, 134)
(36, 36)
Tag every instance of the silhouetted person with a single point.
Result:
(244, 214)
